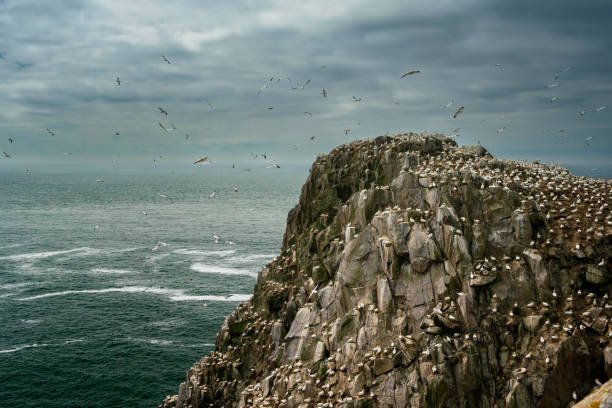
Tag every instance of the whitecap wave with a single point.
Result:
(151, 341)
(234, 297)
(30, 321)
(37, 345)
(176, 295)
(205, 268)
(199, 252)
(14, 285)
(112, 271)
(25, 346)
(125, 289)
(251, 258)
(11, 246)
(47, 254)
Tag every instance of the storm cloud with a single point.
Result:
(59, 61)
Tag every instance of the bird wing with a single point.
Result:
(162, 126)
(458, 112)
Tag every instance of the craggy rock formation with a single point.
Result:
(415, 273)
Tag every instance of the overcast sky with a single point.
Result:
(59, 61)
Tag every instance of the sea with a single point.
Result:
(114, 282)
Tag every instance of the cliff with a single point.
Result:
(415, 273)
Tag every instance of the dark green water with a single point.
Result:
(103, 306)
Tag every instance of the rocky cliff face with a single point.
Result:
(415, 273)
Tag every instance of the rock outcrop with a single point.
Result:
(414, 273)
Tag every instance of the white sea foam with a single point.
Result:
(37, 345)
(25, 346)
(11, 246)
(14, 285)
(251, 258)
(199, 252)
(205, 268)
(151, 341)
(74, 341)
(30, 321)
(234, 297)
(75, 252)
(47, 254)
(112, 271)
(176, 295)
(125, 289)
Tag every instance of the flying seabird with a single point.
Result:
(347, 131)
(324, 93)
(50, 132)
(554, 98)
(313, 138)
(553, 85)
(166, 59)
(162, 126)
(10, 139)
(498, 65)
(410, 73)
(600, 109)
(270, 107)
(118, 81)
(301, 86)
(8, 156)
(308, 113)
(202, 160)
(186, 137)
(161, 110)
(458, 112)
(356, 99)
(587, 141)
(117, 133)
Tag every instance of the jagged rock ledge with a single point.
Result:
(415, 273)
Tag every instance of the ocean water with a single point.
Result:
(104, 306)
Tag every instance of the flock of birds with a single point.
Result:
(324, 93)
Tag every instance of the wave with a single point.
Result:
(11, 246)
(177, 295)
(125, 289)
(47, 254)
(151, 341)
(234, 297)
(251, 258)
(25, 346)
(204, 268)
(222, 253)
(37, 345)
(30, 321)
(112, 271)
(14, 285)
(81, 251)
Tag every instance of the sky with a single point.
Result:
(59, 62)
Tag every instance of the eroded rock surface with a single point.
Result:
(417, 274)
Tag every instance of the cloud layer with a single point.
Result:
(59, 62)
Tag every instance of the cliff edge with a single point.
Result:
(415, 273)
